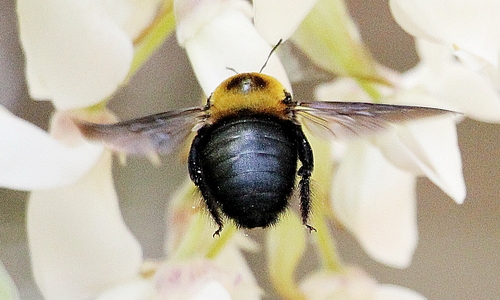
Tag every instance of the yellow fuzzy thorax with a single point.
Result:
(253, 92)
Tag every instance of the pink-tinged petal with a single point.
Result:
(212, 290)
(206, 279)
(278, 19)
(429, 147)
(466, 25)
(352, 284)
(394, 292)
(32, 159)
(76, 55)
(139, 289)
(79, 244)
(376, 201)
(232, 260)
(227, 39)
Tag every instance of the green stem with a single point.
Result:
(326, 246)
(194, 234)
(371, 89)
(161, 27)
(221, 241)
(322, 178)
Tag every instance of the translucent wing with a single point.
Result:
(156, 134)
(348, 119)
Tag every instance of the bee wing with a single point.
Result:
(155, 134)
(350, 119)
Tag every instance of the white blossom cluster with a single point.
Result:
(78, 53)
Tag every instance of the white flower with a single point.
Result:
(376, 201)
(468, 29)
(196, 278)
(278, 19)
(79, 52)
(373, 188)
(78, 242)
(135, 289)
(199, 266)
(207, 279)
(219, 34)
(33, 159)
(452, 84)
(352, 284)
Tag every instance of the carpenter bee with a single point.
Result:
(248, 144)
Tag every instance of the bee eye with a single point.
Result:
(288, 98)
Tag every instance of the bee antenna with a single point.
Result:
(231, 69)
(271, 53)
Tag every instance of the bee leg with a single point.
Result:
(305, 171)
(196, 174)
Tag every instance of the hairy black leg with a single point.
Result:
(196, 174)
(305, 171)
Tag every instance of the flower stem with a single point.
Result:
(329, 37)
(326, 246)
(371, 89)
(322, 178)
(221, 241)
(194, 234)
(153, 36)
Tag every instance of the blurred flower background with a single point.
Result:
(457, 252)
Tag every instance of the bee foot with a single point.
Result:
(217, 232)
(311, 229)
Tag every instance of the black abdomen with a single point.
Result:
(249, 165)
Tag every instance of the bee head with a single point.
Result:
(246, 83)
(254, 92)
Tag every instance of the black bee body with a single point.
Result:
(244, 158)
(245, 167)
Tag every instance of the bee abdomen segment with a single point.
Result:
(249, 165)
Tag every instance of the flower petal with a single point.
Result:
(76, 54)
(469, 93)
(135, 290)
(130, 15)
(352, 284)
(430, 145)
(207, 279)
(32, 159)
(231, 259)
(452, 85)
(376, 202)
(394, 292)
(79, 243)
(226, 40)
(278, 19)
(212, 290)
(472, 26)
(405, 16)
